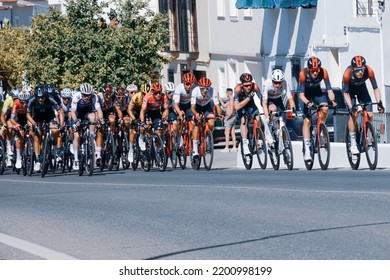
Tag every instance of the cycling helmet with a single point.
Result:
(24, 95)
(246, 78)
(170, 86)
(107, 89)
(156, 87)
(189, 78)
(358, 61)
(39, 91)
(86, 89)
(66, 93)
(145, 88)
(314, 63)
(277, 75)
(131, 88)
(204, 82)
(120, 92)
(49, 88)
(14, 92)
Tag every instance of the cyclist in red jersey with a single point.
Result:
(310, 92)
(354, 86)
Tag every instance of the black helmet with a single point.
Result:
(358, 61)
(39, 91)
(246, 78)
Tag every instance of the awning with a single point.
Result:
(275, 4)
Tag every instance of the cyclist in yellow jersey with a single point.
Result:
(7, 125)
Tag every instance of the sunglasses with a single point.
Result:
(132, 92)
(170, 92)
(86, 95)
(359, 70)
(157, 93)
(66, 98)
(276, 83)
(247, 85)
(188, 85)
(204, 88)
(316, 70)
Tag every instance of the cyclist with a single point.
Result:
(169, 92)
(7, 125)
(354, 86)
(121, 105)
(66, 96)
(85, 105)
(310, 92)
(106, 101)
(134, 110)
(41, 108)
(247, 100)
(274, 90)
(154, 109)
(182, 96)
(19, 118)
(203, 98)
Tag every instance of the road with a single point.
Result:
(224, 213)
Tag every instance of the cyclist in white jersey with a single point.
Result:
(274, 90)
(203, 99)
(182, 96)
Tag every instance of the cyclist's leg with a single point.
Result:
(352, 126)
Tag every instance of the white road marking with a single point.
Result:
(34, 249)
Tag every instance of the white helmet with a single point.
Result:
(277, 75)
(66, 93)
(86, 89)
(24, 95)
(14, 92)
(131, 88)
(169, 86)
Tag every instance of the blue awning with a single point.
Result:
(275, 4)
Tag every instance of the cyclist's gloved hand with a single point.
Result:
(334, 104)
(381, 108)
(309, 104)
(164, 121)
(251, 95)
(143, 124)
(353, 110)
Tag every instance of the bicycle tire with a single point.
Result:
(145, 156)
(159, 153)
(208, 155)
(288, 155)
(136, 155)
(111, 149)
(274, 155)
(323, 147)
(125, 152)
(89, 155)
(309, 163)
(371, 147)
(354, 160)
(246, 159)
(182, 155)
(260, 148)
(174, 149)
(46, 155)
(2, 157)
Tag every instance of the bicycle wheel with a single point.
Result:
(195, 161)
(159, 152)
(354, 160)
(288, 156)
(136, 156)
(2, 157)
(125, 151)
(174, 150)
(274, 151)
(260, 148)
(208, 154)
(246, 159)
(145, 156)
(323, 142)
(371, 147)
(309, 163)
(110, 152)
(89, 148)
(46, 155)
(181, 153)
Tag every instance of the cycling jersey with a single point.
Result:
(106, 105)
(122, 104)
(350, 80)
(270, 92)
(198, 99)
(8, 103)
(153, 105)
(42, 111)
(136, 101)
(307, 82)
(19, 111)
(82, 107)
(181, 96)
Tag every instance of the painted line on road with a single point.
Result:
(34, 249)
(172, 185)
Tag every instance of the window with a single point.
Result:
(366, 8)
(171, 75)
(222, 80)
(247, 13)
(220, 9)
(232, 10)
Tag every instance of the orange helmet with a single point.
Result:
(246, 78)
(156, 87)
(358, 61)
(189, 78)
(204, 82)
(314, 63)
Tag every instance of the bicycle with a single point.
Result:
(282, 141)
(136, 149)
(155, 152)
(108, 149)
(366, 140)
(2, 156)
(48, 158)
(256, 143)
(122, 147)
(205, 146)
(185, 140)
(172, 142)
(28, 152)
(67, 156)
(319, 140)
(87, 149)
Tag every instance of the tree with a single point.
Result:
(80, 46)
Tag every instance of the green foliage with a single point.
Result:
(68, 50)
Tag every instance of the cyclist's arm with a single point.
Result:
(193, 109)
(130, 111)
(118, 112)
(2, 118)
(346, 81)
(142, 113)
